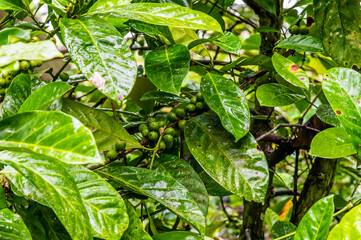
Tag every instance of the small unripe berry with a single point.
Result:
(180, 112)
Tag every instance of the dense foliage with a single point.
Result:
(173, 120)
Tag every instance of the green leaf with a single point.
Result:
(54, 134)
(177, 235)
(20, 89)
(104, 4)
(302, 43)
(105, 129)
(7, 35)
(47, 181)
(332, 143)
(106, 209)
(12, 226)
(167, 14)
(282, 228)
(163, 97)
(185, 175)
(268, 5)
(338, 23)
(226, 99)
(348, 227)
(135, 230)
(237, 166)
(16, 5)
(227, 41)
(290, 71)
(101, 54)
(317, 221)
(40, 50)
(150, 29)
(326, 114)
(342, 89)
(162, 187)
(277, 95)
(167, 66)
(44, 96)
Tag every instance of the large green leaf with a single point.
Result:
(135, 230)
(104, 4)
(167, 66)
(12, 226)
(167, 14)
(48, 181)
(303, 43)
(317, 221)
(237, 166)
(16, 5)
(227, 41)
(277, 95)
(160, 186)
(185, 175)
(338, 23)
(50, 133)
(101, 54)
(21, 87)
(282, 228)
(348, 228)
(106, 209)
(8, 35)
(40, 50)
(226, 99)
(290, 71)
(150, 29)
(44, 96)
(332, 143)
(326, 114)
(105, 129)
(177, 235)
(342, 89)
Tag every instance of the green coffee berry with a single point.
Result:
(191, 108)
(180, 112)
(2, 91)
(8, 80)
(194, 100)
(64, 77)
(162, 145)
(153, 136)
(151, 120)
(199, 105)
(143, 126)
(33, 63)
(172, 117)
(24, 65)
(304, 30)
(181, 124)
(167, 138)
(294, 29)
(153, 126)
(161, 124)
(145, 132)
(2, 82)
(199, 97)
(120, 146)
(112, 154)
(169, 131)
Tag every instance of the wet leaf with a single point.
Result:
(302, 43)
(282, 228)
(326, 114)
(16, 5)
(348, 226)
(12, 226)
(237, 166)
(332, 143)
(167, 66)
(226, 99)
(277, 95)
(101, 54)
(47, 181)
(54, 134)
(7, 35)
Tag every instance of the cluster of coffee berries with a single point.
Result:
(118, 148)
(9, 72)
(295, 30)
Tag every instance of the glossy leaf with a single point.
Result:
(41, 50)
(53, 134)
(16, 5)
(105, 129)
(342, 89)
(8, 35)
(12, 226)
(348, 226)
(162, 187)
(163, 97)
(282, 228)
(104, 4)
(177, 235)
(326, 114)
(44, 96)
(237, 166)
(101, 54)
(150, 29)
(135, 230)
(317, 221)
(227, 41)
(290, 71)
(268, 5)
(302, 43)
(185, 175)
(47, 181)
(167, 66)
(106, 209)
(167, 14)
(338, 23)
(226, 99)
(332, 143)
(22, 86)
(277, 95)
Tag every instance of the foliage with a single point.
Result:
(179, 120)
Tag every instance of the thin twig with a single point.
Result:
(61, 69)
(286, 125)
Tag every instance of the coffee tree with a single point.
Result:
(180, 119)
